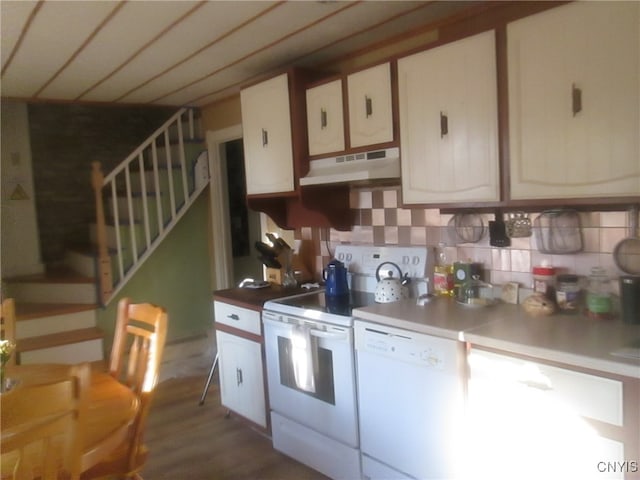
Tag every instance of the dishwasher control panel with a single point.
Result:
(425, 350)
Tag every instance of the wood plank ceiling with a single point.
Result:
(186, 52)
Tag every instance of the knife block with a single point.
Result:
(275, 275)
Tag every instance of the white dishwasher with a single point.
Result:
(410, 402)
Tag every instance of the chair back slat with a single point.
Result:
(42, 425)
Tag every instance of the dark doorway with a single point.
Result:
(243, 223)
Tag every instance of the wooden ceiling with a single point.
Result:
(188, 52)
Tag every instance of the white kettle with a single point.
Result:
(390, 289)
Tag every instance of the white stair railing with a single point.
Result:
(144, 197)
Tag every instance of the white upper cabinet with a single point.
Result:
(325, 118)
(574, 101)
(449, 123)
(370, 106)
(266, 129)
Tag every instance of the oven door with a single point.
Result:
(312, 382)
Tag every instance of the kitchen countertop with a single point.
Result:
(255, 298)
(570, 339)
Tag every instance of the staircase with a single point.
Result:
(137, 205)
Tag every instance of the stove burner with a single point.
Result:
(319, 301)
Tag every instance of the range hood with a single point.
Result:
(356, 167)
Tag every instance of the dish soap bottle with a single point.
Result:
(443, 274)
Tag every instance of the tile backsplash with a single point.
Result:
(379, 220)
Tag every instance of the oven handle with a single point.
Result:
(330, 335)
(313, 331)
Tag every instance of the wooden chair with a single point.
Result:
(8, 325)
(136, 353)
(42, 427)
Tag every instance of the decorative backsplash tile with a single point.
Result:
(379, 220)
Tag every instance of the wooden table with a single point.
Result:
(112, 407)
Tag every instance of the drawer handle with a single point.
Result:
(239, 376)
(576, 99)
(233, 316)
(368, 105)
(265, 138)
(323, 118)
(444, 125)
(538, 385)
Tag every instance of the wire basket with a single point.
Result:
(558, 232)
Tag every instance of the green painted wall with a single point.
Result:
(176, 276)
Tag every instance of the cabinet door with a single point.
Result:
(266, 128)
(370, 112)
(325, 119)
(449, 123)
(241, 378)
(574, 101)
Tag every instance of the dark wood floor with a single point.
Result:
(188, 441)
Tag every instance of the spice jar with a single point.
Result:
(568, 293)
(544, 281)
(599, 303)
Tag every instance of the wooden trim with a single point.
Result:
(222, 327)
(23, 34)
(503, 112)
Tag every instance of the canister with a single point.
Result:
(630, 298)
(544, 279)
(568, 293)
(463, 273)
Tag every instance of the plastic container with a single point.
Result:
(599, 301)
(568, 293)
(544, 280)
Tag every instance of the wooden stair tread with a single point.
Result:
(58, 339)
(28, 311)
(53, 275)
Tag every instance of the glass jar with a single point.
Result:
(544, 279)
(568, 293)
(599, 302)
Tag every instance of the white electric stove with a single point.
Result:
(309, 343)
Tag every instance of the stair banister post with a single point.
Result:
(105, 283)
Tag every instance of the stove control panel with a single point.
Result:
(417, 262)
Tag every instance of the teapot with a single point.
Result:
(390, 289)
(335, 277)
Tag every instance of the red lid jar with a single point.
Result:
(544, 279)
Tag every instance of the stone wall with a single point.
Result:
(65, 139)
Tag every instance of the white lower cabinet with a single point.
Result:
(241, 377)
(532, 420)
